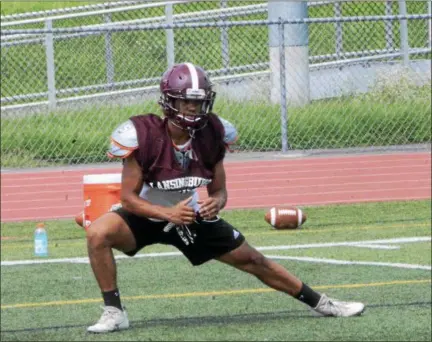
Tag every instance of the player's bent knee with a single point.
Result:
(103, 231)
(97, 238)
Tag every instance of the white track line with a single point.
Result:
(349, 262)
(56, 199)
(345, 169)
(81, 260)
(327, 185)
(340, 177)
(343, 201)
(408, 190)
(70, 193)
(41, 185)
(306, 162)
(273, 179)
(348, 191)
(80, 190)
(301, 170)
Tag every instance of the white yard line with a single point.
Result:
(347, 243)
(377, 246)
(84, 260)
(349, 262)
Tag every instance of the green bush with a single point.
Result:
(379, 118)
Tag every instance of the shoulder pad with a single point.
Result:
(125, 135)
(124, 140)
(231, 135)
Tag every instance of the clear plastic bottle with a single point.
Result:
(41, 241)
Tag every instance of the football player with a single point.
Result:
(165, 160)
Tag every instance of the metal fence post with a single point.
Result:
(283, 96)
(429, 25)
(296, 51)
(339, 38)
(404, 32)
(224, 40)
(109, 54)
(169, 35)
(388, 26)
(49, 52)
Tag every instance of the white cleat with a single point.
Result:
(334, 308)
(112, 319)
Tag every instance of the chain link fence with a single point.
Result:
(361, 79)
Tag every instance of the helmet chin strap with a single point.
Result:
(190, 131)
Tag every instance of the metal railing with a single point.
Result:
(224, 13)
(60, 100)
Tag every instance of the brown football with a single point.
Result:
(285, 217)
(79, 219)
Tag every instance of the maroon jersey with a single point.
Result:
(161, 169)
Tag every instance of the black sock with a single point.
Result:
(308, 296)
(112, 298)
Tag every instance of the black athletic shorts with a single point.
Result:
(200, 241)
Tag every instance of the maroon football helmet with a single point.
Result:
(187, 82)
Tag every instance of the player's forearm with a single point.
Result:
(221, 195)
(141, 207)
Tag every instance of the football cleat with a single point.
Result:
(334, 308)
(112, 319)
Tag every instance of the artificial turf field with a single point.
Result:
(386, 264)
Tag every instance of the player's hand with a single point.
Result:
(210, 207)
(181, 213)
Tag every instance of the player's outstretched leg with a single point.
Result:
(248, 259)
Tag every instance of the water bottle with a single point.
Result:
(41, 241)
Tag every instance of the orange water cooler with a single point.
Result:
(101, 195)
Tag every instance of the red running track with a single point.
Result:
(44, 195)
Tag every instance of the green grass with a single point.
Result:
(336, 223)
(167, 299)
(393, 115)
(14, 7)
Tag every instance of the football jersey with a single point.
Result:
(172, 173)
